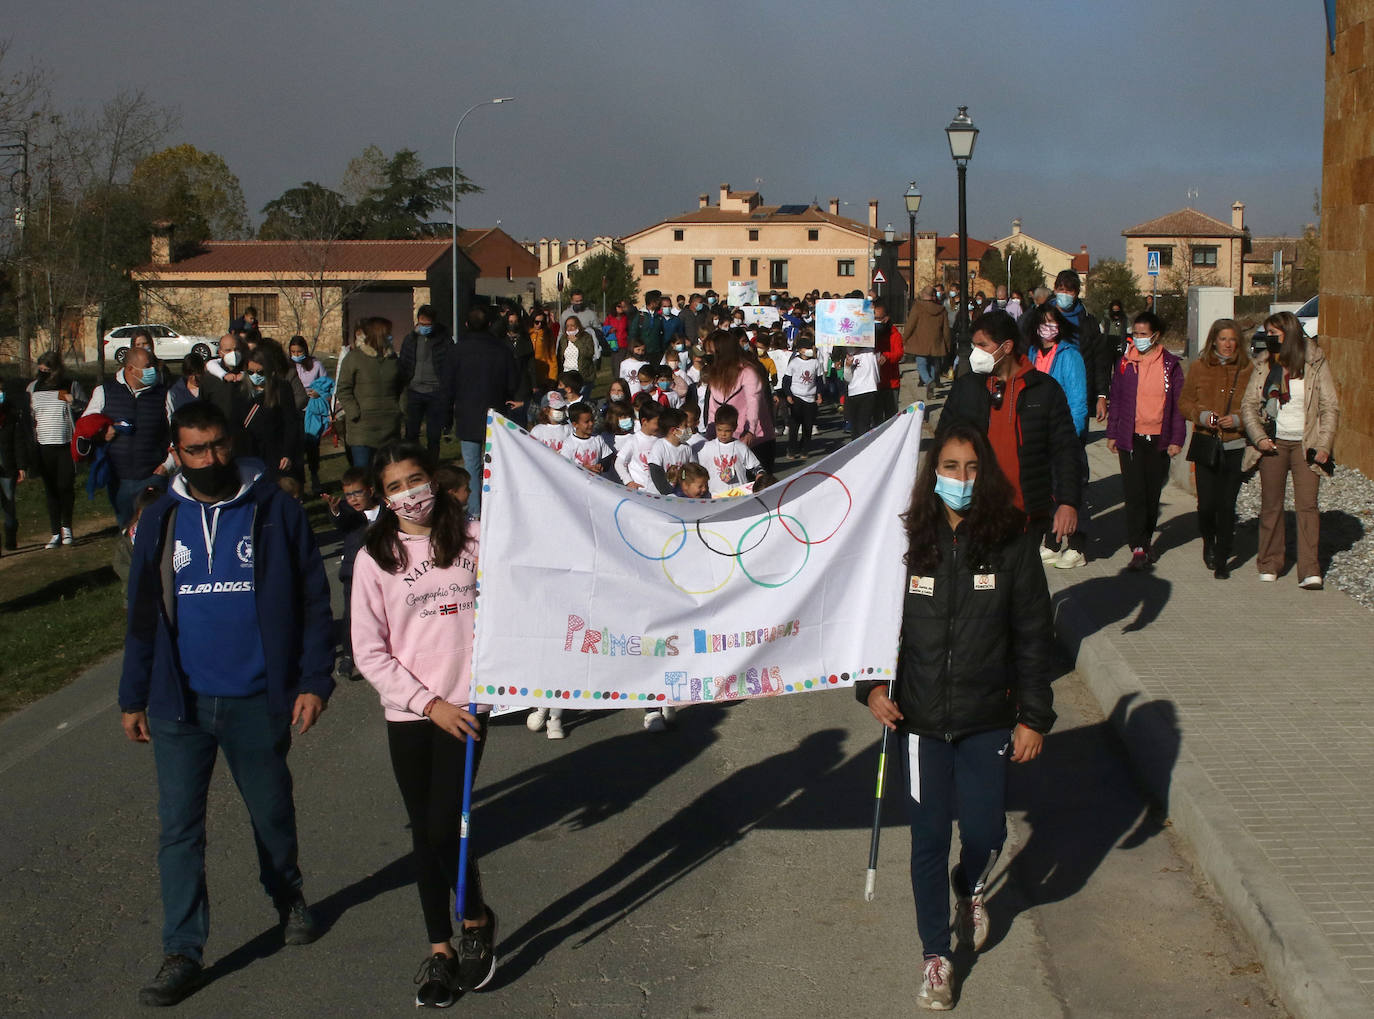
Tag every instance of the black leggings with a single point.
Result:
(1216, 502)
(428, 765)
(58, 472)
(1144, 470)
(803, 420)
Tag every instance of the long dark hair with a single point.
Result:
(57, 371)
(1037, 316)
(448, 530)
(992, 518)
(1293, 353)
(728, 360)
(309, 363)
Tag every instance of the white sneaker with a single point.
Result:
(971, 921)
(1269, 578)
(1069, 558)
(1311, 583)
(653, 721)
(67, 538)
(937, 985)
(1047, 554)
(55, 543)
(670, 715)
(534, 721)
(555, 727)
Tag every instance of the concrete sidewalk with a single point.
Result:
(1246, 709)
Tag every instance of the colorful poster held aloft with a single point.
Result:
(846, 322)
(738, 293)
(760, 314)
(633, 599)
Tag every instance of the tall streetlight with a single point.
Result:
(453, 323)
(913, 203)
(962, 134)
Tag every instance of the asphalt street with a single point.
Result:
(716, 869)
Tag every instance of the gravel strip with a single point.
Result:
(1346, 503)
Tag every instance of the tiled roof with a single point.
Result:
(1183, 223)
(228, 258)
(1262, 250)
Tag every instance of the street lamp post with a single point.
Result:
(962, 135)
(453, 197)
(913, 203)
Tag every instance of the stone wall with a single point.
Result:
(1347, 265)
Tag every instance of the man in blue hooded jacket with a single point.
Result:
(228, 645)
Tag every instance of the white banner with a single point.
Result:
(738, 293)
(593, 596)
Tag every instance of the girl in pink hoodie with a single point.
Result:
(413, 609)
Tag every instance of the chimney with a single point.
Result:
(703, 201)
(834, 206)
(1082, 249)
(1238, 215)
(162, 243)
(1016, 226)
(724, 194)
(873, 213)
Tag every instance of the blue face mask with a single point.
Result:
(956, 494)
(2, 396)
(257, 378)
(626, 423)
(1065, 301)
(148, 376)
(1143, 343)
(664, 384)
(424, 330)
(298, 358)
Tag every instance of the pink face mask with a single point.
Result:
(1048, 331)
(414, 504)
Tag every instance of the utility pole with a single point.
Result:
(21, 215)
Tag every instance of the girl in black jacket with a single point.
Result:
(972, 684)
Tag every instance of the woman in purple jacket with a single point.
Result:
(1145, 429)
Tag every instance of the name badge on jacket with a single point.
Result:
(985, 582)
(922, 585)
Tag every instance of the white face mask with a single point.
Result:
(557, 416)
(231, 358)
(981, 362)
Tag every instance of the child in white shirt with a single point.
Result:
(629, 368)
(553, 428)
(731, 463)
(584, 447)
(670, 452)
(632, 462)
(801, 386)
(695, 438)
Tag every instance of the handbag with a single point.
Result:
(1206, 449)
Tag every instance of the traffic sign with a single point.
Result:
(1152, 263)
(878, 277)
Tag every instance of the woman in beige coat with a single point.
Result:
(1290, 415)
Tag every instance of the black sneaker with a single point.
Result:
(298, 923)
(178, 977)
(477, 954)
(438, 979)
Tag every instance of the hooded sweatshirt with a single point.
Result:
(413, 630)
(216, 607)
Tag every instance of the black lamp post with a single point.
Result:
(962, 135)
(913, 203)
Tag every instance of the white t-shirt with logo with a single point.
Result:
(632, 462)
(586, 452)
(804, 373)
(729, 464)
(552, 436)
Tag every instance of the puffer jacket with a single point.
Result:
(1321, 406)
(1211, 387)
(926, 333)
(369, 394)
(976, 645)
(1047, 445)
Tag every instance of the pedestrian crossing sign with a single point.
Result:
(1152, 262)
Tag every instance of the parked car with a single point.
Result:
(168, 344)
(1307, 315)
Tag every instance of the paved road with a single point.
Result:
(714, 870)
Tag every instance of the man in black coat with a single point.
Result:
(421, 361)
(480, 374)
(1026, 418)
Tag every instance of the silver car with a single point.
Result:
(168, 344)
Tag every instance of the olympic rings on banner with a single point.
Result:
(736, 553)
(682, 538)
(709, 590)
(783, 517)
(796, 573)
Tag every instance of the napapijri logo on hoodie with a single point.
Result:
(181, 557)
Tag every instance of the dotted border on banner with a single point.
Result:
(628, 697)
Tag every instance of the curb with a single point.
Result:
(1310, 977)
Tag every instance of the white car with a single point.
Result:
(168, 344)
(1307, 315)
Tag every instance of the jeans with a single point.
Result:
(428, 764)
(927, 368)
(1144, 470)
(429, 409)
(360, 456)
(472, 460)
(255, 741)
(965, 779)
(127, 492)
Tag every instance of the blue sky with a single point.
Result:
(1094, 116)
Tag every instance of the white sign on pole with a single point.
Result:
(878, 277)
(307, 295)
(1152, 263)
